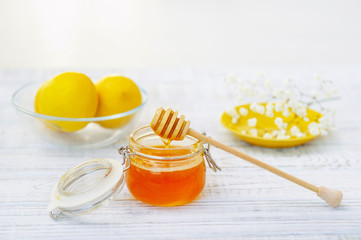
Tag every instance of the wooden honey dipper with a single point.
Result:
(168, 125)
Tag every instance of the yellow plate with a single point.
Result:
(266, 124)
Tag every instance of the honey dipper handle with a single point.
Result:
(333, 197)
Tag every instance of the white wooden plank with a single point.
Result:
(241, 202)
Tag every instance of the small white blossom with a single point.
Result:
(324, 132)
(232, 112)
(275, 133)
(314, 128)
(282, 137)
(289, 94)
(229, 79)
(286, 112)
(244, 132)
(315, 94)
(239, 98)
(243, 111)
(268, 84)
(257, 108)
(269, 106)
(252, 122)
(269, 114)
(279, 122)
(317, 77)
(295, 131)
(253, 132)
(267, 135)
(247, 90)
(253, 107)
(330, 93)
(278, 107)
(269, 110)
(277, 93)
(235, 120)
(262, 95)
(260, 109)
(306, 119)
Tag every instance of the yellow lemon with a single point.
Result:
(70, 95)
(117, 94)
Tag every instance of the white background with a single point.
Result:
(143, 33)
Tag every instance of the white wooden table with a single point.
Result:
(241, 202)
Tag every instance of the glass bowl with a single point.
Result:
(92, 135)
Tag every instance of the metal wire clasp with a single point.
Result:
(210, 160)
(125, 152)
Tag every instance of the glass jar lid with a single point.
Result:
(86, 187)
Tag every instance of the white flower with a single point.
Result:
(252, 122)
(244, 132)
(275, 133)
(330, 93)
(279, 122)
(278, 107)
(314, 128)
(232, 112)
(243, 111)
(253, 107)
(289, 94)
(268, 84)
(253, 132)
(317, 77)
(286, 112)
(239, 98)
(281, 137)
(292, 104)
(248, 91)
(295, 131)
(235, 120)
(306, 119)
(261, 94)
(277, 93)
(267, 135)
(269, 114)
(324, 132)
(315, 94)
(260, 109)
(229, 79)
(257, 108)
(240, 82)
(300, 109)
(269, 106)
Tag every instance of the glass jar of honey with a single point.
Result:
(164, 173)
(156, 172)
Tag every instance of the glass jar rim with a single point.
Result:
(133, 142)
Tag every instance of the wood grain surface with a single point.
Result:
(241, 202)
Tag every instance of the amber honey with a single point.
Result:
(165, 176)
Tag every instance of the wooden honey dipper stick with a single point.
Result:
(168, 125)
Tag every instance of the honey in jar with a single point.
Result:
(165, 175)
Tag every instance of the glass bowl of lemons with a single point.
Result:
(69, 110)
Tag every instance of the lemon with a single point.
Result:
(70, 95)
(117, 94)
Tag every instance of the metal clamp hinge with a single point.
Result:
(126, 153)
(210, 160)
